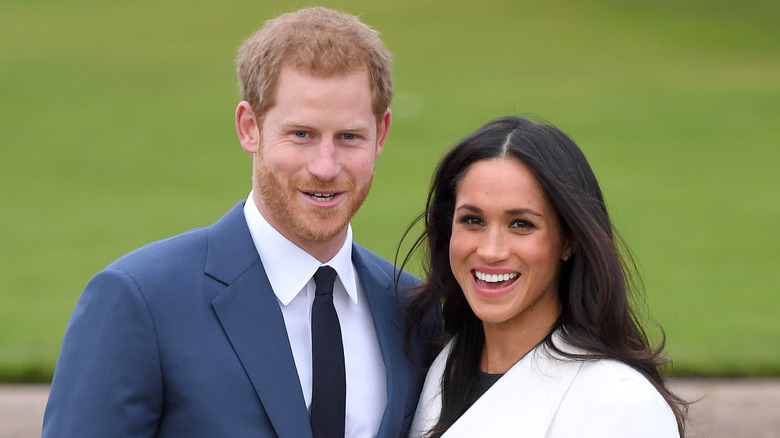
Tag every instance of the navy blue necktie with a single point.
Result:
(329, 382)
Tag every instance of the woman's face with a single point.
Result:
(506, 246)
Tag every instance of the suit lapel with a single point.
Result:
(388, 323)
(250, 315)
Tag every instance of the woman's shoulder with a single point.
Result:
(605, 372)
(608, 398)
(604, 375)
(612, 382)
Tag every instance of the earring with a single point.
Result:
(565, 257)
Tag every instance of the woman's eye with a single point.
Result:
(470, 220)
(522, 224)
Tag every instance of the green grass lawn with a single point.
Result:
(116, 129)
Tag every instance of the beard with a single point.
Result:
(295, 218)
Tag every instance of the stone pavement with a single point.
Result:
(732, 408)
(738, 408)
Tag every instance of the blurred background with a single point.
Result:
(117, 129)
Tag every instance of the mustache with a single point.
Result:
(315, 185)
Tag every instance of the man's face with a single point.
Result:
(315, 162)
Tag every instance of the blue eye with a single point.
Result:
(349, 136)
(300, 134)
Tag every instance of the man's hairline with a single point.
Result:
(313, 72)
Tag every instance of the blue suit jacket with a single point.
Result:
(185, 338)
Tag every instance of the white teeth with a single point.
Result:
(323, 196)
(495, 278)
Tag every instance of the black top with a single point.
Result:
(487, 380)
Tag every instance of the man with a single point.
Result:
(211, 333)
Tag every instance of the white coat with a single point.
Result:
(546, 396)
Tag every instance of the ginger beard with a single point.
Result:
(282, 199)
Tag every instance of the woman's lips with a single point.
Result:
(493, 284)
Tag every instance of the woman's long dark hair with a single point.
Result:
(595, 282)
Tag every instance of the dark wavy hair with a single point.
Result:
(596, 282)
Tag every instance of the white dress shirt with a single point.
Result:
(290, 271)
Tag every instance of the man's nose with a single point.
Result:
(324, 164)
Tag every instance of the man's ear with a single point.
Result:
(246, 127)
(382, 130)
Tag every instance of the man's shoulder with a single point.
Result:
(185, 244)
(186, 248)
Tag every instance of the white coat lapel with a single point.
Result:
(429, 404)
(523, 401)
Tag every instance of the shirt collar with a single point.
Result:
(288, 267)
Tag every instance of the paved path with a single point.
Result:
(727, 408)
(21, 410)
(732, 408)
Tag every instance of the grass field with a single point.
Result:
(116, 129)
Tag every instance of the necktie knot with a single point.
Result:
(324, 279)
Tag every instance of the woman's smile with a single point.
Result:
(494, 284)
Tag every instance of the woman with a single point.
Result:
(525, 269)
